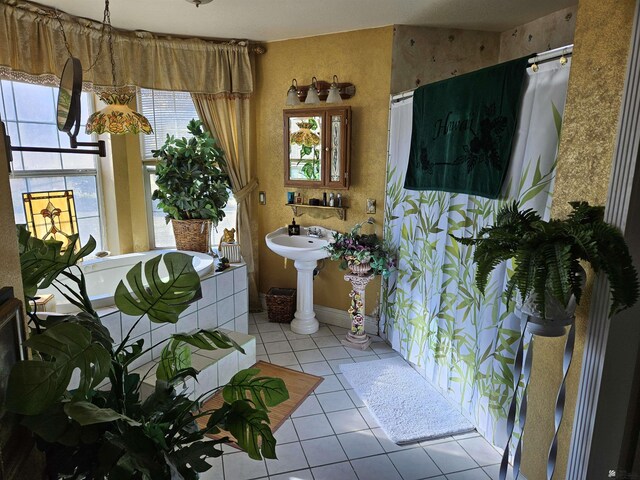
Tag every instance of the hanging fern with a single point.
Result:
(547, 255)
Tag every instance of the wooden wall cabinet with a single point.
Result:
(317, 145)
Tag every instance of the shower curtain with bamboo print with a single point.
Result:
(461, 341)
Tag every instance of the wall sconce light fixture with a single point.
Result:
(319, 91)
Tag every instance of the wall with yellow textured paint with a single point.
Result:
(363, 58)
(589, 131)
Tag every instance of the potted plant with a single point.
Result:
(103, 428)
(192, 187)
(361, 253)
(546, 258)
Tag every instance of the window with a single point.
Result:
(29, 113)
(169, 114)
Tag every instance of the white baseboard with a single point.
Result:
(335, 317)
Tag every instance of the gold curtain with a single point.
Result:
(32, 49)
(227, 118)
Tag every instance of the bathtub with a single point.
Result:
(102, 276)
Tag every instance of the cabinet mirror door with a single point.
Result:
(306, 147)
(316, 147)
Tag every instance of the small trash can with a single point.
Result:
(281, 304)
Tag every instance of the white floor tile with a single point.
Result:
(355, 398)
(450, 457)
(329, 384)
(285, 434)
(338, 331)
(494, 472)
(297, 475)
(264, 358)
(317, 368)
(260, 350)
(308, 356)
(335, 364)
(335, 471)
(414, 464)
(294, 336)
(334, 353)
(475, 474)
(366, 358)
(381, 347)
(322, 451)
(481, 451)
(310, 406)
(322, 332)
(312, 426)
(303, 344)
(343, 381)
(284, 359)
(328, 341)
(388, 445)
(346, 421)
(276, 336)
(334, 401)
(215, 472)
(435, 441)
(268, 327)
(240, 467)
(375, 468)
(290, 458)
(356, 352)
(366, 414)
(360, 444)
(277, 347)
(388, 355)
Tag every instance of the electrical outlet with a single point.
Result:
(262, 198)
(371, 205)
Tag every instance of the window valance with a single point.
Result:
(32, 49)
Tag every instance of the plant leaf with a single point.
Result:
(36, 384)
(163, 301)
(208, 340)
(250, 427)
(86, 413)
(264, 391)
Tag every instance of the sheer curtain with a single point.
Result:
(227, 118)
(463, 342)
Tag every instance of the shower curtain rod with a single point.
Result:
(547, 56)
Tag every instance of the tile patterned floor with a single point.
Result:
(332, 436)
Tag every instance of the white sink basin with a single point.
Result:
(299, 247)
(306, 251)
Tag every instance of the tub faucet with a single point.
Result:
(314, 232)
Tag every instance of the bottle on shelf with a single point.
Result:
(332, 200)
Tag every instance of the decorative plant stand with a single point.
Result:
(356, 338)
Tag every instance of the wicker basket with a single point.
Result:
(192, 235)
(281, 304)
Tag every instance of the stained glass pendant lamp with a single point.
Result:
(117, 117)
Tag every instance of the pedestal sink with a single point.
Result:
(305, 251)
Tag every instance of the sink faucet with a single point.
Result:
(314, 232)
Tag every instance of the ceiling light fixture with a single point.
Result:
(197, 3)
(319, 91)
(117, 117)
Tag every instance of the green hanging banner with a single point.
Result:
(463, 128)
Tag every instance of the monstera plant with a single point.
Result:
(102, 428)
(546, 259)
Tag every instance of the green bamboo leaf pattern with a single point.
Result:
(461, 340)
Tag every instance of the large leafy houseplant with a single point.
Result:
(355, 248)
(547, 254)
(192, 185)
(103, 429)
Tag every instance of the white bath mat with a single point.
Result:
(405, 405)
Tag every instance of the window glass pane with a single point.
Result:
(38, 135)
(85, 195)
(76, 160)
(169, 113)
(35, 103)
(12, 131)
(18, 185)
(7, 99)
(90, 226)
(45, 184)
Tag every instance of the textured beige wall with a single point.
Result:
(363, 58)
(424, 55)
(10, 271)
(551, 31)
(588, 138)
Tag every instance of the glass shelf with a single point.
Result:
(318, 211)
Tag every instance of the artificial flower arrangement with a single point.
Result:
(355, 249)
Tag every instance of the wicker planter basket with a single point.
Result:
(281, 304)
(192, 235)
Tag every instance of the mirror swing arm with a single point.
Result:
(68, 115)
